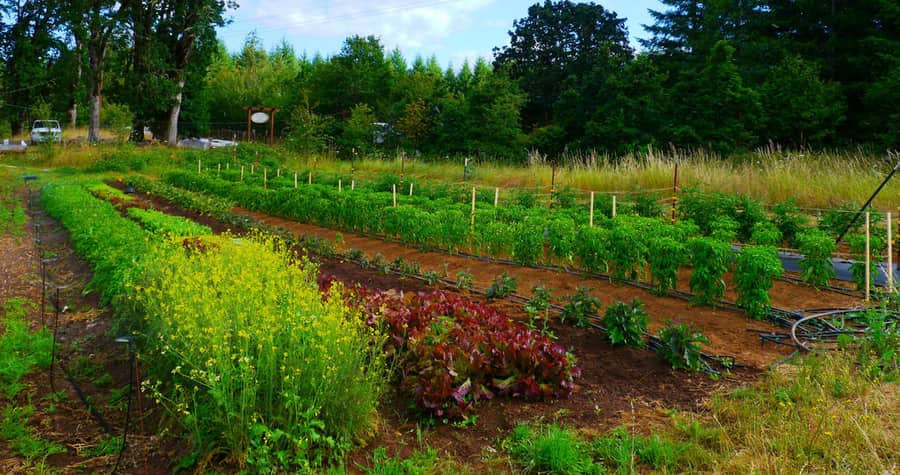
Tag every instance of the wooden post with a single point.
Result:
(198, 165)
(340, 186)
(410, 188)
(496, 196)
(473, 210)
(890, 257)
(614, 206)
(265, 178)
(352, 185)
(591, 221)
(252, 169)
(295, 179)
(309, 179)
(218, 169)
(394, 194)
(242, 173)
(868, 277)
(278, 172)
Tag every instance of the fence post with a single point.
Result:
(340, 186)
(496, 196)
(198, 165)
(295, 180)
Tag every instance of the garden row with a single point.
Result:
(626, 247)
(295, 380)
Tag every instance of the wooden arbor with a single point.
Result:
(270, 111)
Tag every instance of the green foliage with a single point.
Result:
(816, 267)
(756, 268)
(116, 118)
(549, 449)
(879, 348)
(21, 438)
(308, 131)
(503, 286)
(724, 229)
(581, 306)
(789, 219)
(625, 324)
(877, 248)
(419, 463)
(766, 234)
(12, 217)
(21, 351)
(164, 225)
(623, 451)
(464, 280)
(681, 346)
(711, 258)
(667, 255)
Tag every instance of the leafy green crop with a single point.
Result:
(581, 307)
(817, 247)
(625, 324)
(681, 346)
(753, 274)
(667, 255)
(711, 259)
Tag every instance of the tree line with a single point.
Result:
(721, 75)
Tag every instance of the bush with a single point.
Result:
(625, 325)
(753, 274)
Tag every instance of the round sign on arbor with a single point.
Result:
(261, 115)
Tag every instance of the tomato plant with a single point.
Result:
(711, 259)
(753, 274)
(816, 266)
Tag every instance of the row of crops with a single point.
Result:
(626, 247)
(245, 352)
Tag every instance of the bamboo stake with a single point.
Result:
(614, 206)
(592, 210)
(410, 189)
(473, 210)
(394, 193)
(868, 277)
(295, 180)
(890, 257)
(496, 196)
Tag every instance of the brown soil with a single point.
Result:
(617, 386)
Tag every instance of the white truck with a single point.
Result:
(43, 131)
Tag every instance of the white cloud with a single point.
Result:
(407, 24)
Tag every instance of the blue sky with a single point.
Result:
(452, 30)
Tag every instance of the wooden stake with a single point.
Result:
(265, 178)
(890, 257)
(252, 169)
(410, 189)
(227, 166)
(473, 210)
(394, 194)
(352, 185)
(278, 173)
(198, 165)
(496, 196)
(614, 206)
(295, 179)
(219, 169)
(340, 186)
(591, 222)
(309, 179)
(242, 173)
(868, 277)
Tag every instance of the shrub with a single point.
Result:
(753, 274)
(625, 324)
